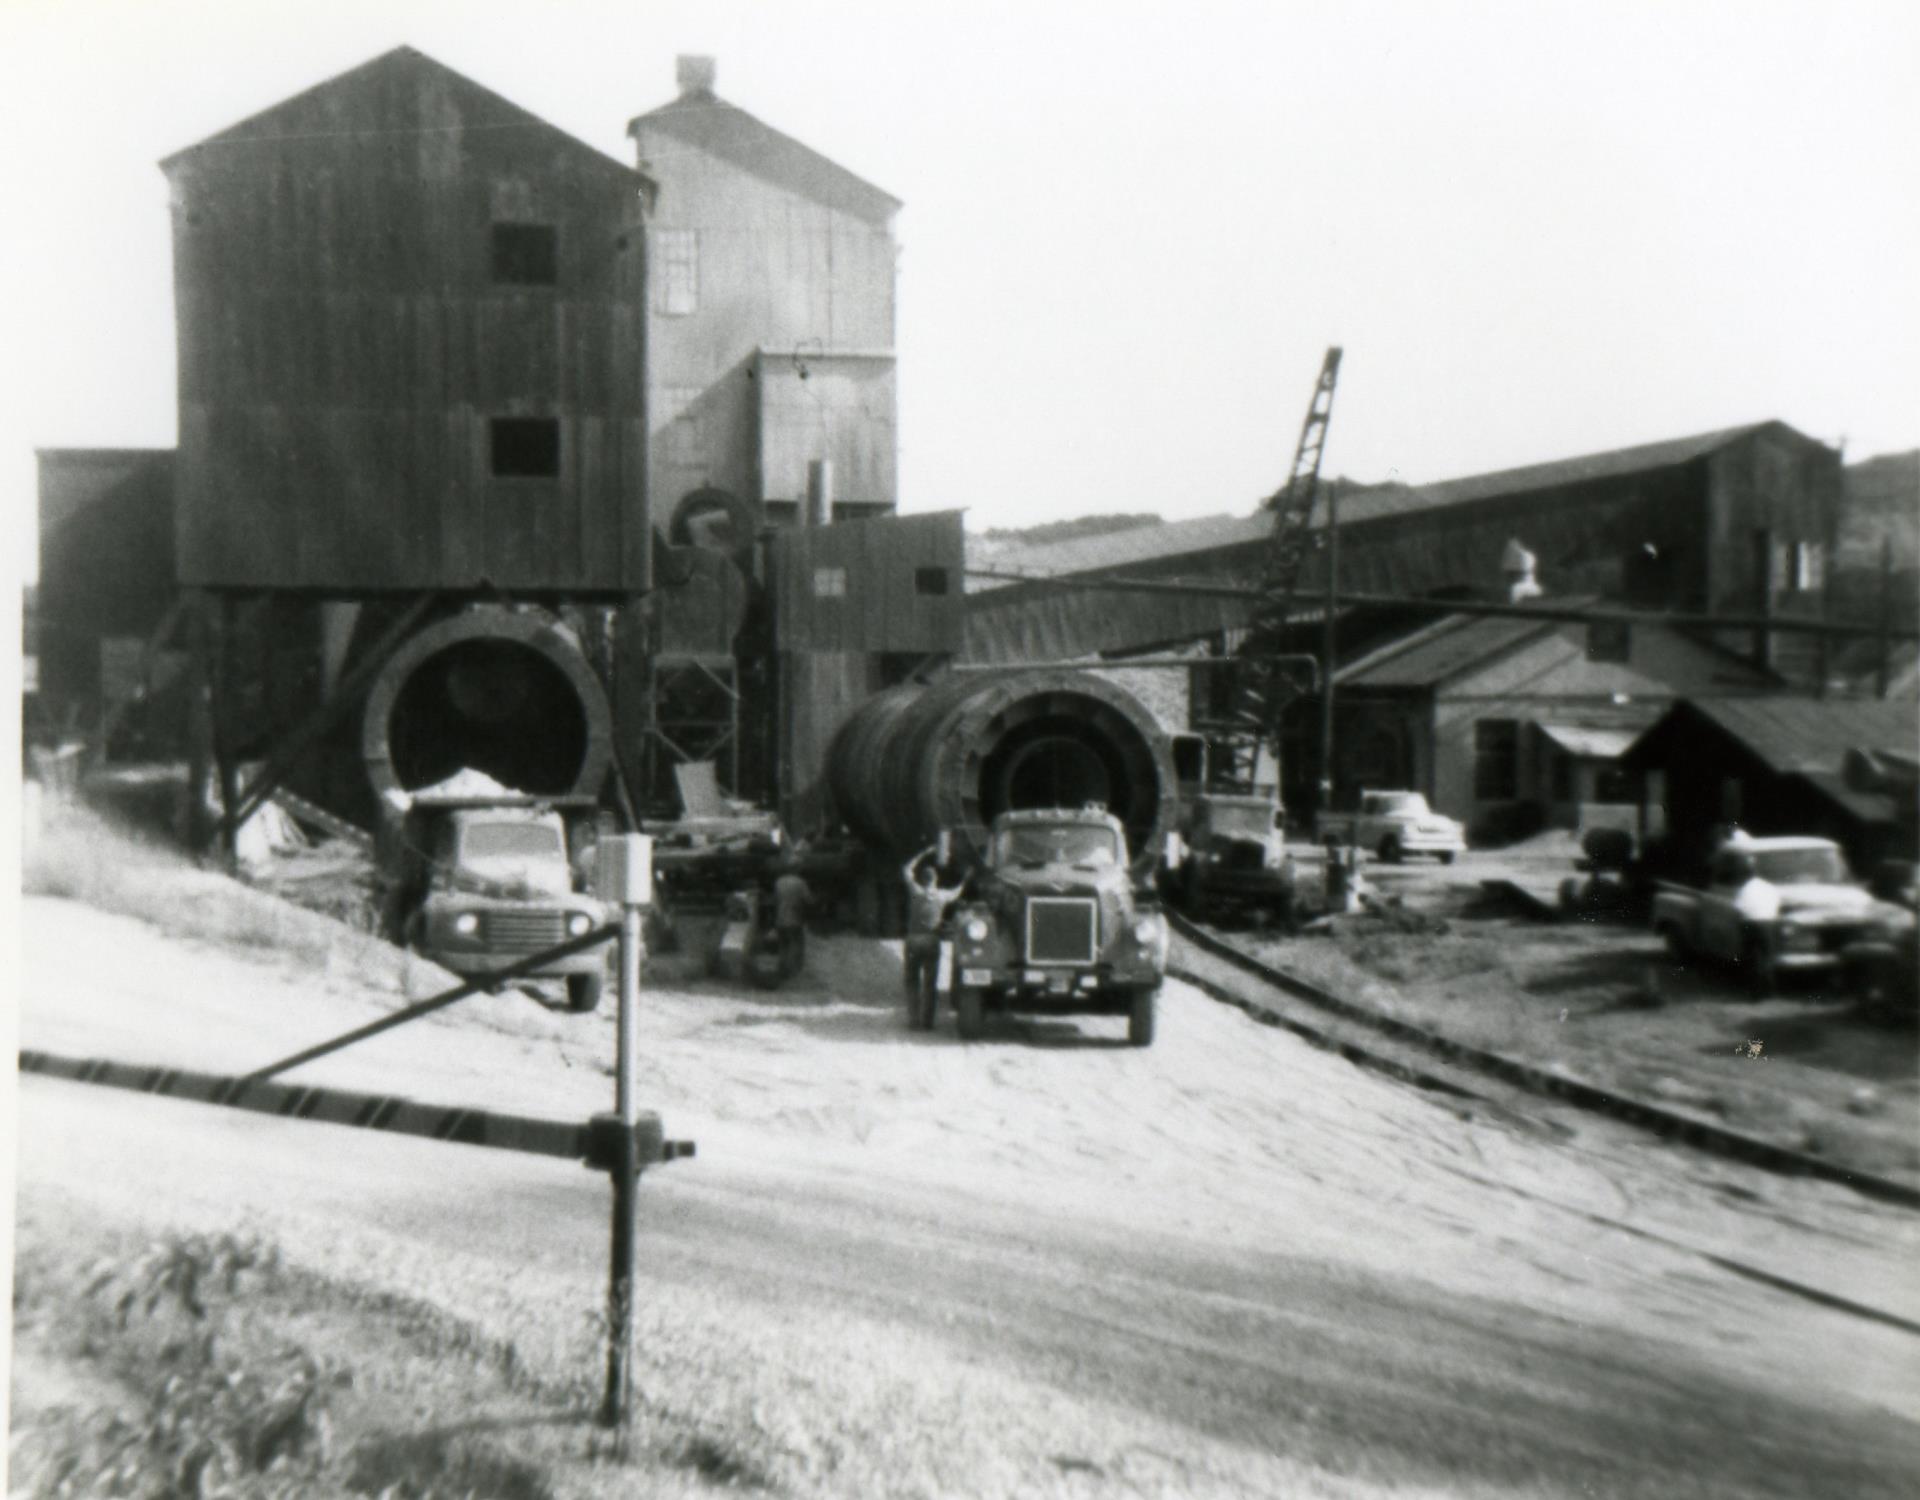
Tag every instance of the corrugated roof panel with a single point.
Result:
(1813, 735)
(1437, 652)
(1211, 533)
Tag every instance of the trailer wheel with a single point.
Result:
(969, 1012)
(1141, 1008)
(583, 993)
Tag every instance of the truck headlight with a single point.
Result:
(975, 930)
(467, 924)
(1145, 930)
(579, 924)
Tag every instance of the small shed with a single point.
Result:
(1510, 724)
(1783, 765)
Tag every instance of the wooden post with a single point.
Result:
(1883, 667)
(224, 613)
(196, 824)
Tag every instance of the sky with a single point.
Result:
(1131, 229)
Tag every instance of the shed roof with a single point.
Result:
(702, 118)
(1811, 736)
(1214, 533)
(491, 111)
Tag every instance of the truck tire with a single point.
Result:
(1448, 856)
(969, 1012)
(1389, 850)
(1142, 1006)
(583, 993)
(1756, 962)
(1678, 948)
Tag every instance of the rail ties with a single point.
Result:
(1702, 1135)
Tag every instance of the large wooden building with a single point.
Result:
(410, 326)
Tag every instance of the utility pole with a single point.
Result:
(626, 878)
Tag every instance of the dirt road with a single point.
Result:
(1230, 1264)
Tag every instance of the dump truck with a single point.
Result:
(1054, 924)
(500, 886)
(1770, 907)
(1230, 856)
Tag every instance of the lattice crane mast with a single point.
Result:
(1262, 686)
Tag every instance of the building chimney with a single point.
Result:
(695, 76)
(1517, 565)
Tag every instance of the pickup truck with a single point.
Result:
(1054, 925)
(500, 888)
(1770, 907)
(1394, 825)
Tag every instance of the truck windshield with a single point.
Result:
(1055, 844)
(1800, 866)
(512, 841)
(1399, 802)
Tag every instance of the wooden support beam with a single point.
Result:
(317, 723)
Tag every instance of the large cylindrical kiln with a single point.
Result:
(915, 760)
(508, 692)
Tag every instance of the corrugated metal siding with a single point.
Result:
(879, 606)
(343, 346)
(776, 269)
(819, 692)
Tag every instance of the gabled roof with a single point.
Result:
(705, 120)
(1448, 646)
(1213, 533)
(1812, 736)
(487, 111)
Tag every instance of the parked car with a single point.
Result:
(1394, 825)
(1771, 906)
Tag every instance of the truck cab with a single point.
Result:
(501, 888)
(1232, 856)
(1055, 925)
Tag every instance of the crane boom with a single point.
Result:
(1262, 686)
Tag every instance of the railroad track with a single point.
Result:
(1408, 1039)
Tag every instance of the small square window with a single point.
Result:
(1609, 640)
(829, 583)
(930, 581)
(525, 447)
(526, 254)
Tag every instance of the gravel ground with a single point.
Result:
(1047, 1264)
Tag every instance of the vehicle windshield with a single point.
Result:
(1244, 822)
(1400, 802)
(1056, 844)
(512, 841)
(1800, 866)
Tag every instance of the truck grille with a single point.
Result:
(1062, 930)
(524, 931)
